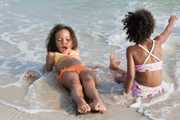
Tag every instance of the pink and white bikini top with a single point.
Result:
(152, 66)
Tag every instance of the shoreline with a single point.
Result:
(114, 112)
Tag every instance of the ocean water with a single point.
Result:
(23, 31)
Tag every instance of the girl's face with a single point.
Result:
(63, 41)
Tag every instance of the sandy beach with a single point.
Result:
(114, 113)
(52, 102)
(99, 29)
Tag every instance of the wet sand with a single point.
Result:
(114, 113)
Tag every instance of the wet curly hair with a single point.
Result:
(139, 25)
(51, 40)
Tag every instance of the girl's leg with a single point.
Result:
(71, 81)
(88, 81)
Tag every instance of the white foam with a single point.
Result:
(6, 37)
(32, 98)
(168, 89)
(177, 72)
(22, 81)
(18, 83)
(142, 106)
(177, 24)
(28, 29)
(24, 109)
(137, 104)
(117, 38)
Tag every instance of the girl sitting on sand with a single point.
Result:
(63, 55)
(144, 58)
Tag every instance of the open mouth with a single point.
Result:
(64, 48)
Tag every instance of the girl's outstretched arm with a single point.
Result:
(115, 64)
(168, 30)
(118, 73)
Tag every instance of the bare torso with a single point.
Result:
(147, 78)
(151, 79)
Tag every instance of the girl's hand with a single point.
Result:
(127, 95)
(172, 18)
(114, 62)
(67, 52)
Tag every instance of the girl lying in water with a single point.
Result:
(144, 58)
(63, 55)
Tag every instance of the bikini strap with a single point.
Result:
(150, 52)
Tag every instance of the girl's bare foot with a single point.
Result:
(83, 107)
(98, 106)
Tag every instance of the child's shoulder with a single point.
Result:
(131, 47)
(50, 54)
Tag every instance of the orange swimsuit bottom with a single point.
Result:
(78, 68)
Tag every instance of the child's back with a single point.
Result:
(144, 58)
(148, 63)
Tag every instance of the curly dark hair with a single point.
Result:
(51, 40)
(139, 25)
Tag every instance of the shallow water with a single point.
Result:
(24, 28)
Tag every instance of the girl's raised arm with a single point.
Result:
(168, 30)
